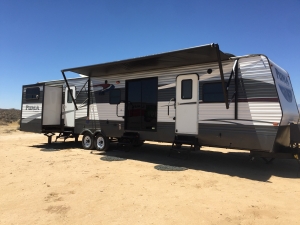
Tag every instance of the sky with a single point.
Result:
(39, 38)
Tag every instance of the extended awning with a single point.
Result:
(190, 56)
(184, 57)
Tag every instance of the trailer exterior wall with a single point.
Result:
(262, 102)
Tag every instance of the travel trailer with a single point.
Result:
(198, 96)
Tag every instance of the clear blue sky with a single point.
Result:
(39, 38)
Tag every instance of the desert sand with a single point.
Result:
(63, 184)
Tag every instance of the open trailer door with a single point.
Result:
(69, 118)
(52, 110)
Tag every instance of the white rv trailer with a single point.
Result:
(198, 96)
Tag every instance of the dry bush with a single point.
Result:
(9, 116)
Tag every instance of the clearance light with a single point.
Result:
(275, 124)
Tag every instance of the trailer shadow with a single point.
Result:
(58, 146)
(232, 163)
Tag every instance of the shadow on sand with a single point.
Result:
(232, 163)
(58, 146)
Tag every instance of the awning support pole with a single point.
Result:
(89, 97)
(222, 75)
(69, 89)
(236, 84)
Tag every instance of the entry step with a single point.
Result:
(180, 140)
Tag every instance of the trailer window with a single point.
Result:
(186, 89)
(213, 92)
(32, 93)
(115, 96)
(69, 99)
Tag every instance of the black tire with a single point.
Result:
(178, 146)
(88, 141)
(101, 142)
(138, 144)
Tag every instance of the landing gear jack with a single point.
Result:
(49, 135)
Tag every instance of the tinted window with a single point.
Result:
(134, 91)
(32, 93)
(213, 92)
(69, 100)
(149, 104)
(186, 89)
(115, 96)
(149, 91)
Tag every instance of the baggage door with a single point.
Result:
(69, 115)
(187, 104)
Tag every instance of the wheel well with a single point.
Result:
(92, 133)
(99, 132)
(86, 131)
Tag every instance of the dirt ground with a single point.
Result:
(63, 184)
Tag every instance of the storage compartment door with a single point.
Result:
(52, 106)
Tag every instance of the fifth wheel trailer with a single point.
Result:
(199, 96)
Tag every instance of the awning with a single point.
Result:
(184, 57)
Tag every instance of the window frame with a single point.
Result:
(203, 93)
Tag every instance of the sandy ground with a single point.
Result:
(64, 184)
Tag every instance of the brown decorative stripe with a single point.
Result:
(259, 100)
(248, 100)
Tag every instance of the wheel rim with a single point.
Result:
(87, 141)
(100, 142)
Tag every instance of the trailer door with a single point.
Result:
(187, 104)
(69, 115)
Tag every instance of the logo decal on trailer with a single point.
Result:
(285, 89)
(282, 77)
(287, 93)
(32, 107)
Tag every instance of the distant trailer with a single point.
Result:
(197, 96)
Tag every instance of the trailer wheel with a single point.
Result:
(88, 141)
(101, 142)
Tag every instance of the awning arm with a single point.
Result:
(81, 88)
(69, 89)
(222, 75)
(232, 73)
